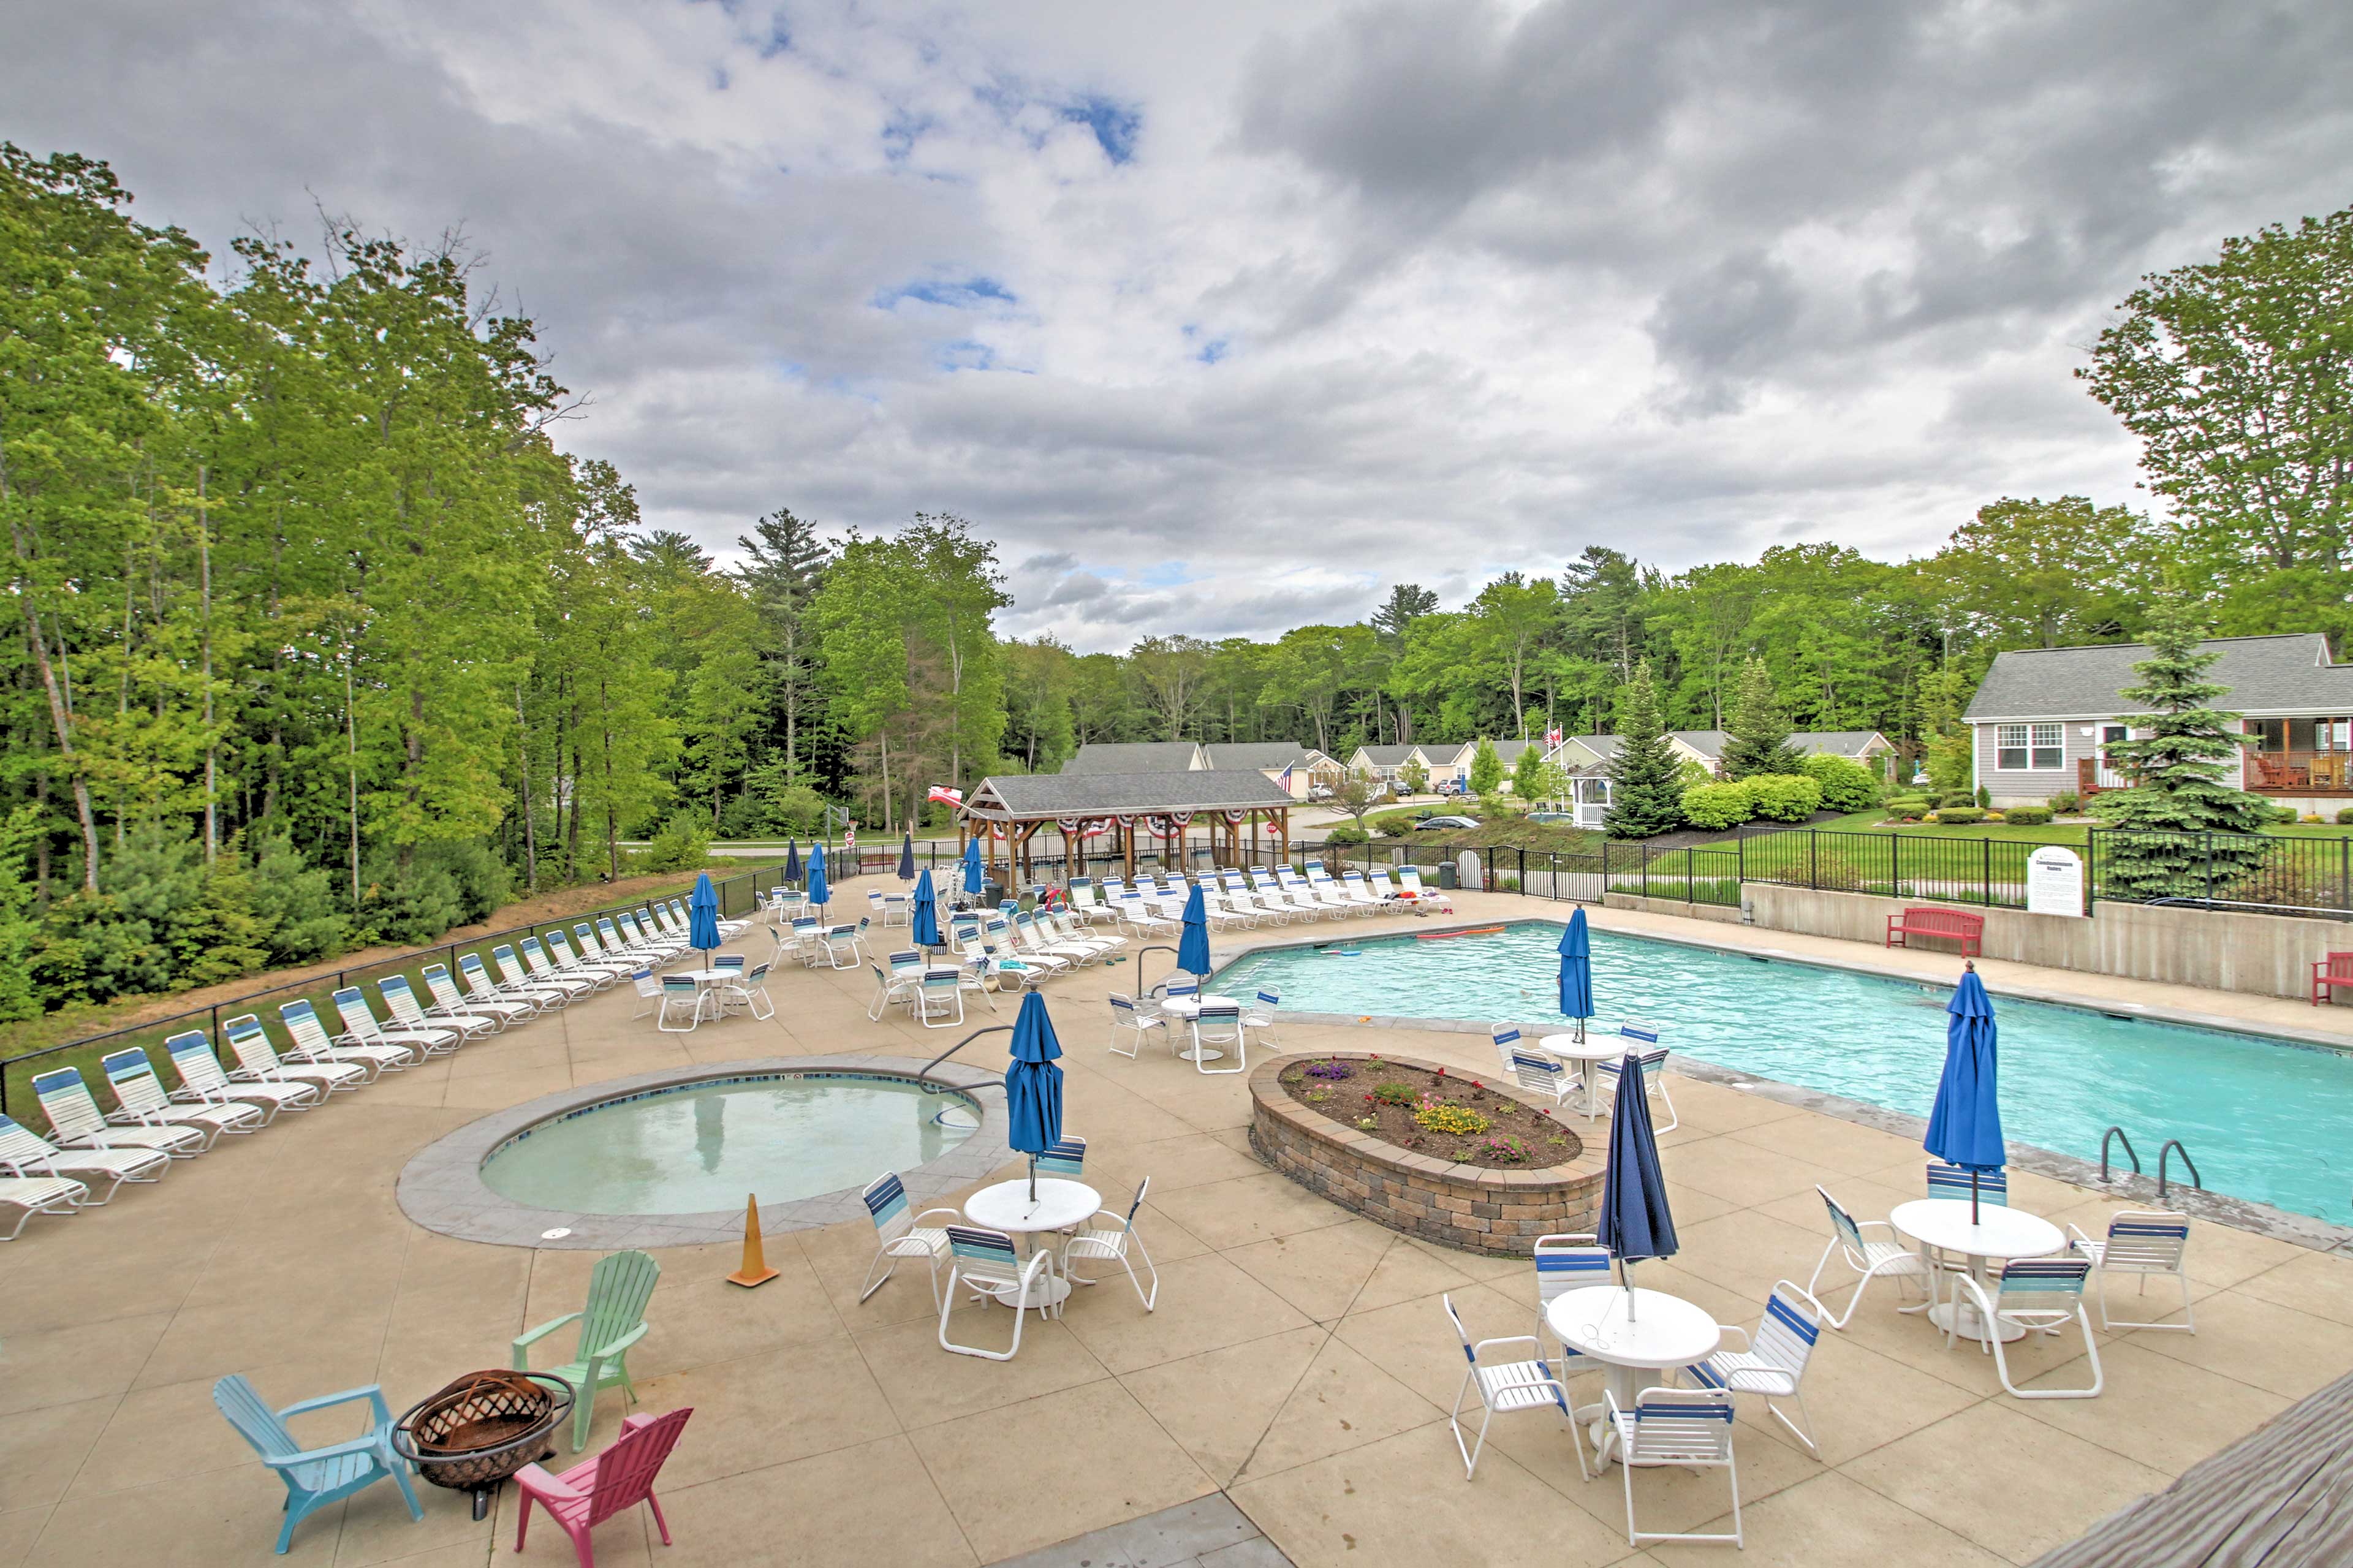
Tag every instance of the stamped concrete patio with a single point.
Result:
(1299, 1361)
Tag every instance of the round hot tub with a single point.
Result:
(668, 1158)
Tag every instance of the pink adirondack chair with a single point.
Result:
(593, 1491)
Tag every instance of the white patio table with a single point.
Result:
(1634, 1342)
(1593, 1049)
(2003, 1233)
(1008, 1206)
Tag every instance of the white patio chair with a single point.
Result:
(1259, 1020)
(1683, 1428)
(447, 1000)
(257, 1060)
(29, 1195)
(2038, 1295)
(902, 1235)
(1869, 1258)
(1504, 1387)
(649, 990)
(939, 998)
(1652, 1062)
(203, 1080)
(1566, 1263)
(2143, 1242)
(141, 1096)
(1771, 1362)
(1219, 1025)
(1536, 1071)
(748, 989)
(76, 1123)
(24, 1153)
(1114, 1242)
(898, 987)
(986, 1260)
(842, 947)
(679, 990)
(1126, 1015)
(400, 1001)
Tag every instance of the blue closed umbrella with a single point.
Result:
(1193, 947)
(924, 920)
(1635, 1221)
(1033, 1086)
(907, 858)
(702, 913)
(971, 878)
(792, 859)
(819, 893)
(1965, 1125)
(1576, 973)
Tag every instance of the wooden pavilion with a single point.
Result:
(1006, 814)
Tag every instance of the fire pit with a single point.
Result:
(481, 1429)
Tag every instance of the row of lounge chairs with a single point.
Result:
(1258, 897)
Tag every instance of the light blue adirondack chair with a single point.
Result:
(316, 1477)
(613, 1320)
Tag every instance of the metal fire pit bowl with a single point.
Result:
(481, 1429)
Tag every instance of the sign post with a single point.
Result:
(2055, 882)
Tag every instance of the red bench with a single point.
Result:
(1959, 925)
(2334, 970)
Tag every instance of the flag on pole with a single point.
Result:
(1286, 780)
(945, 795)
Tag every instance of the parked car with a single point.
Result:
(1446, 822)
(1449, 787)
(1319, 791)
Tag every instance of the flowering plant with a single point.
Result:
(1443, 1116)
(1330, 1069)
(1503, 1150)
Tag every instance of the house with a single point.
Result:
(1868, 747)
(2043, 719)
(1577, 752)
(1286, 763)
(1137, 757)
(1454, 763)
(1387, 763)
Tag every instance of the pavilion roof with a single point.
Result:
(1026, 797)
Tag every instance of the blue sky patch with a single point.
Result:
(975, 293)
(1115, 125)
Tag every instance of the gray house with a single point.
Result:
(2043, 719)
(1137, 757)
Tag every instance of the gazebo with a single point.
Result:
(1005, 813)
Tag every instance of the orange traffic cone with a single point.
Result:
(756, 1269)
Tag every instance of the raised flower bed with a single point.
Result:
(1492, 1188)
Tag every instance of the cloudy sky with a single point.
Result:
(1223, 317)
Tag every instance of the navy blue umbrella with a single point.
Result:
(1965, 1125)
(971, 878)
(1033, 1086)
(1635, 1222)
(907, 858)
(702, 913)
(819, 893)
(792, 859)
(1576, 973)
(924, 920)
(1193, 947)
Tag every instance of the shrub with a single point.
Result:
(2027, 815)
(2066, 803)
(2344, 817)
(683, 844)
(1985, 798)
(298, 905)
(1346, 833)
(1846, 785)
(1964, 814)
(1444, 1116)
(1961, 797)
(2283, 813)
(796, 808)
(1782, 797)
(1717, 806)
(1394, 1093)
(2312, 817)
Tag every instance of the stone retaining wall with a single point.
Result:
(1461, 1206)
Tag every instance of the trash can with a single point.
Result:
(1446, 875)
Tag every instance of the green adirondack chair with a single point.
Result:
(613, 1320)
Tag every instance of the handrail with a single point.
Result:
(2171, 1145)
(1157, 947)
(2118, 1132)
(924, 1079)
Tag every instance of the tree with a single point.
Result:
(786, 563)
(1171, 671)
(2236, 375)
(2043, 574)
(1355, 793)
(1758, 735)
(1514, 618)
(1413, 776)
(1645, 786)
(1037, 724)
(1943, 739)
(1531, 775)
(1486, 769)
(2179, 768)
(1707, 611)
(1406, 603)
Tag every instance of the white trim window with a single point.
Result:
(2023, 748)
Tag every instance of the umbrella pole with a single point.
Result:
(1973, 1198)
(1033, 1178)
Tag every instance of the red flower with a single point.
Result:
(1441, 1072)
(1476, 1084)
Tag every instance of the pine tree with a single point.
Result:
(2180, 766)
(1757, 737)
(787, 564)
(1645, 786)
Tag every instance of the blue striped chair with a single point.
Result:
(987, 1261)
(1065, 1157)
(679, 990)
(1953, 1182)
(2038, 1295)
(1681, 1428)
(1642, 1040)
(1868, 1257)
(903, 1233)
(1772, 1362)
(1506, 1386)
(2142, 1242)
(1566, 1263)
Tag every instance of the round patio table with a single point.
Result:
(1060, 1204)
(704, 978)
(1189, 1008)
(1585, 1052)
(2003, 1233)
(1634, 1342)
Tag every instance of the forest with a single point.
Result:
(323, 637)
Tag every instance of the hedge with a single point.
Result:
(1717, 805)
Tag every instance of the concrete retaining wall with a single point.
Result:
(2264, 955)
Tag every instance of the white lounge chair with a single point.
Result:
(1869, 1258)
(516, 981)
(450, 1002)
(24, 1153)
(140, 1095)
(202, 1080)
(258, 1061)
(409, 1014)
(2143, 1242)
(1506, 1387)
(1114, 1242)
(76, 1123)
(29, 1195)
(2039, 1295)
(596, 972)
(1682, 1429)
(1771, 1363)
(573, 982)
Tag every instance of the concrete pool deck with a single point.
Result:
(1299, 1361)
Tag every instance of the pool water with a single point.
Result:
(2265, 1120)
(702, 1147)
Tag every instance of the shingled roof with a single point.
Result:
(2272, 675)
(1260, 754)
(1134, 757)
(1022, 797)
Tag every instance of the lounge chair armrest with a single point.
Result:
(372, 1444)
(1735, 1329)
(957, 1214)
(525, 1340)
(1530, 1340)
(547, 1482)
(372, 1394)
(1863, 1225)
(2077, 1240)
(608, 1352)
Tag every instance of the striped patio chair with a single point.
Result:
(1259, 1020)
(903, 1234)
(1642, 1040)
(1066, 1158)
(203, 1082)
(2038, 1295)
(2143, 1242)
(939, 997)
(1126, 1015)
(75, 1121)
(1869, 1258)
(1771, 1362)
(986, 1261)
(1566, 1263)
(29, 1195)
(257, 1060)
(1953, 1182)
(1682, 1429)
(1115, 1242)
(679, 990)
(140, 1095)
(25, 1154)
(1504, 1387)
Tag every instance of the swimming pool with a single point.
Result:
(696, 1147)
(2265, 1120)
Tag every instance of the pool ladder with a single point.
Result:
(950, 1116)
(2164, 1160)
